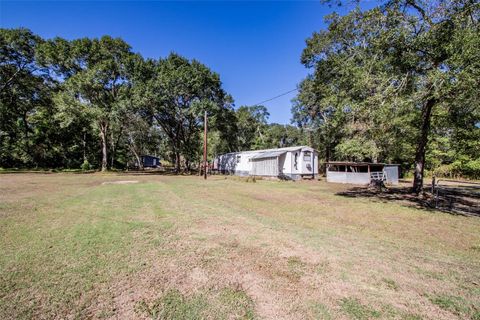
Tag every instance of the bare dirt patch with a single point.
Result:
(185, 247)
(120, 182)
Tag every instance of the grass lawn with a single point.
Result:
(172, 247)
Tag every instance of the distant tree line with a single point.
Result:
(397, 83)
(93, 103)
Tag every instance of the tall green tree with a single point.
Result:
(318, 111)
(280, 136)
(24, 89)
(403, 60)
(95, 74)
(223, 133)
(177, 92)
(251, 124)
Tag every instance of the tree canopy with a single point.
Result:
(396, 83)
(177, 94)
(94, 103)
(95, 82)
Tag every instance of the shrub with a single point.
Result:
(459, 169)
(85, 165)
(472, 169)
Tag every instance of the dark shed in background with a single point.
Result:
(150, 161)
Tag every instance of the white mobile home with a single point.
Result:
(361, 172)
(286, 163)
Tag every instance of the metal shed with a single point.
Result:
(361, 172)
(150, 161)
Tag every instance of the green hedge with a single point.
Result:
(460, 169)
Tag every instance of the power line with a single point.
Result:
(280, 95)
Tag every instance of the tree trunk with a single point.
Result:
(177, 161)
(310, 139)
(115, 143)
(328, 152)
(112, 153)
(131, 144)
(137, 157)
(103, 137)
(422, 145)
(84, 146)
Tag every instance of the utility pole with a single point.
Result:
(205, 148)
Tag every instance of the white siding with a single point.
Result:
(228, 163)
(265, 167)
(296, 165)
(307, 166)
(287, 165)
(282, 159)
(348, 177)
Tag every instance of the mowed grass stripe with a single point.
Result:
(81, 241)
(223, 248)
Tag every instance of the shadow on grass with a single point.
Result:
(403, 195)
(44, 171)
(455, 201)
(147, 172)
(158, 173)
(79, 171)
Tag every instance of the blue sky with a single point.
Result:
(254, 46)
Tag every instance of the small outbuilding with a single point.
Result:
(150, 161)
(286, 163)
(361, 172)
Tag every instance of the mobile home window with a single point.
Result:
(307, 156)
(239, 158)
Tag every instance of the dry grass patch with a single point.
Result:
(181, 247)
